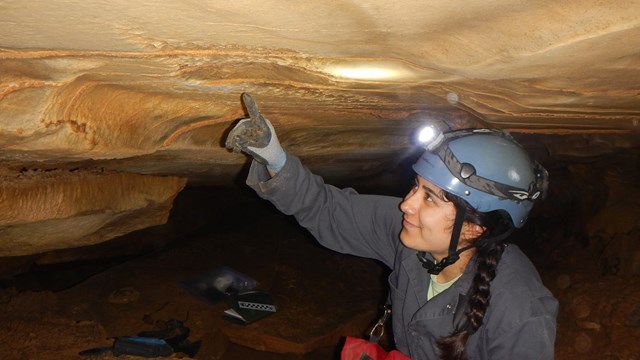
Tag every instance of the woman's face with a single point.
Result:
(428, 220)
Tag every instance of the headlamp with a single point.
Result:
(430, 137)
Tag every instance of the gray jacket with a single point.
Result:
(520, 322)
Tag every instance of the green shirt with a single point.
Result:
(436, 288)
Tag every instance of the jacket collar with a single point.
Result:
(419, 279)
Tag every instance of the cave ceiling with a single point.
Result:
(109, 108)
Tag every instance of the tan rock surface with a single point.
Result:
(43, 211)
(152, 87)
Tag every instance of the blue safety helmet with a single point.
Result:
(487, 168)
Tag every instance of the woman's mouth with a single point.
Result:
(408, 224)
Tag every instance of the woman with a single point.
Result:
(456, 290)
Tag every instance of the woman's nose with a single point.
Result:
(408, 205)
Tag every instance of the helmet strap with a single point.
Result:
(436, 267)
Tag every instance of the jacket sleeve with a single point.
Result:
(340, 219)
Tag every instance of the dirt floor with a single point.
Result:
(57, 311)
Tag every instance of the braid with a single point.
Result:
(488, 256)
(489, 249)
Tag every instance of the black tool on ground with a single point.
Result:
(155, 343)
(141, 346)
(175, 334)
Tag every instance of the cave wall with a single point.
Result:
(57, 209)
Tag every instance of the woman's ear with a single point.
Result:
(470, 231)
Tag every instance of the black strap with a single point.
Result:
(436, 267)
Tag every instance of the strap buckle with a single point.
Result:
(378, 329)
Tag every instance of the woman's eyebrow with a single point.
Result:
(439, 195)
(430, 190)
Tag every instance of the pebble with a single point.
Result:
(633, 319)
(581, 306)
(124, 296)
(589, 325)
(563, 281)
(582, 343)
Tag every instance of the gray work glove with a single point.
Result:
(256, 137)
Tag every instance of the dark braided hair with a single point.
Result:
(489, 249)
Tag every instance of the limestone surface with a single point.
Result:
(152, 88)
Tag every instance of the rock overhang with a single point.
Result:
(150, 89)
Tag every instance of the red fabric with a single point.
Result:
(356, 349)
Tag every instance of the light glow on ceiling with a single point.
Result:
(370, 70)
(365, 73)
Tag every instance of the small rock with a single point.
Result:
(563, 281)
(582, 343)
(214, 345)
(633, 319)
(79, 308)
(589, 325)
(581, 307)
(124, 296)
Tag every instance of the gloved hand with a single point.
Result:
(256, 137)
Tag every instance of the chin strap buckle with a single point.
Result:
(434, 267)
